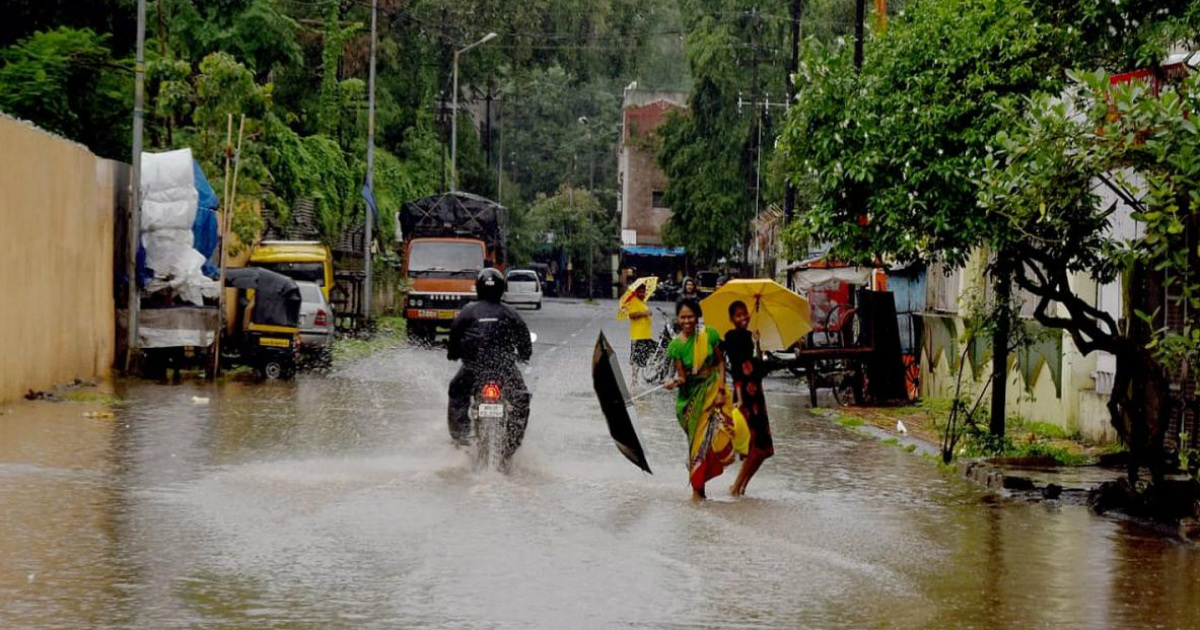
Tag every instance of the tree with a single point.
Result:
(711, 156)
(545, 143)
(890, 156)
(895, 163)
(1041, 183)
(67, 81)
(574, 224)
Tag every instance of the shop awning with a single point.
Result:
(651, 250)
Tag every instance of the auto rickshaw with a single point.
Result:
(265, 329)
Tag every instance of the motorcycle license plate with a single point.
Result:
(491, 411)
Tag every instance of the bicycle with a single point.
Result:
(658, 368)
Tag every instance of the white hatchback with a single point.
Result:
(524, 288)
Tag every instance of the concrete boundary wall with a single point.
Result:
(57, 207)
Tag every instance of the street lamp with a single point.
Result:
(454, 113)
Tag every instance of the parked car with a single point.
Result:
(316, 324)
(524, 288)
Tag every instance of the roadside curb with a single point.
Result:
(1023, 485)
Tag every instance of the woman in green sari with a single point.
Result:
(702, 405)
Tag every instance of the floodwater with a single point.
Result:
(336, 502)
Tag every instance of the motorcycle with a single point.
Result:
(494, 420)
(667, 291)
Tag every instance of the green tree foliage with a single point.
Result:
(256, 32)
(1041, 185)
(735, 49)
(890, 157)
(305, 66)
(894, 160)
(546, 144)
(334, 38)
(572, 222)
(67, 81)
(23, 18)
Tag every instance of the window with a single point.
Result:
(453, 257)
(309, 292)
(300, 272)
(522, 276)
(658, 199)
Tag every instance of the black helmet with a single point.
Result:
(490, 285)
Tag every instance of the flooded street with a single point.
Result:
(337, 502)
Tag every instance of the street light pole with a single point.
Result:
(135, 186)
(369, 223)
(454, 113)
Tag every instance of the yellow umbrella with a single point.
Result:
(780, 316)
(651, 284)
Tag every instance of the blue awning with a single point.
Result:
(652, 250)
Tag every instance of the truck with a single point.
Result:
(448, 240)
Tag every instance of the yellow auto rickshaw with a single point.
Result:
(265, 329)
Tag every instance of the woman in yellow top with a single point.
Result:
(641, 330)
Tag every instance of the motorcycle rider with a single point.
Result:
(490, 338)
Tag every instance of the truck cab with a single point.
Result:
(448, 240)
(441, 274)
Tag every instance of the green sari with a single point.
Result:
(709, 425)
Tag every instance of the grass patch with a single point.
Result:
(850, 421)
(1061, 450)
(892, 441)
(911, 448)
(1039, 429)
(389, 332)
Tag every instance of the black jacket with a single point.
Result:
(489, 335)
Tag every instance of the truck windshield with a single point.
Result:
(298, 271)
(445, 257)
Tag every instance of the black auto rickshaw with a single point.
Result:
(265, 329)
(706, 282)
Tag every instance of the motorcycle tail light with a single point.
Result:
(490, 393)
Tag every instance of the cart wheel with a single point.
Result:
(912, 377)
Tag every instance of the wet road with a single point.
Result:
(337, 502)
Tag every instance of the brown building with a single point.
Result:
(642, 182)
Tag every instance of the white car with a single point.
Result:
(524, 288)
(316, 323)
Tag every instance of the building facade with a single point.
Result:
(641, 181)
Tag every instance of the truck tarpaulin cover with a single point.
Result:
(457, 214)
(276, 296)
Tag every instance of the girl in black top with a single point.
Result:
(746, 368)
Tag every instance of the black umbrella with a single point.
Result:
(616, 404)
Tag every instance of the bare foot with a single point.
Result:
(698, 495)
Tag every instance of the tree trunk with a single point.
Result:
(1002, 281)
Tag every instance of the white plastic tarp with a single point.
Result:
(169, 204)
(807, 279)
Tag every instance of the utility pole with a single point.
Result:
(135, 186)
(487, 119)
(443, 67)
(500, 154)
(369, 223)
(454, 113)
(789, 197)
(860, 16)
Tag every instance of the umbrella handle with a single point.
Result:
(648, 391)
